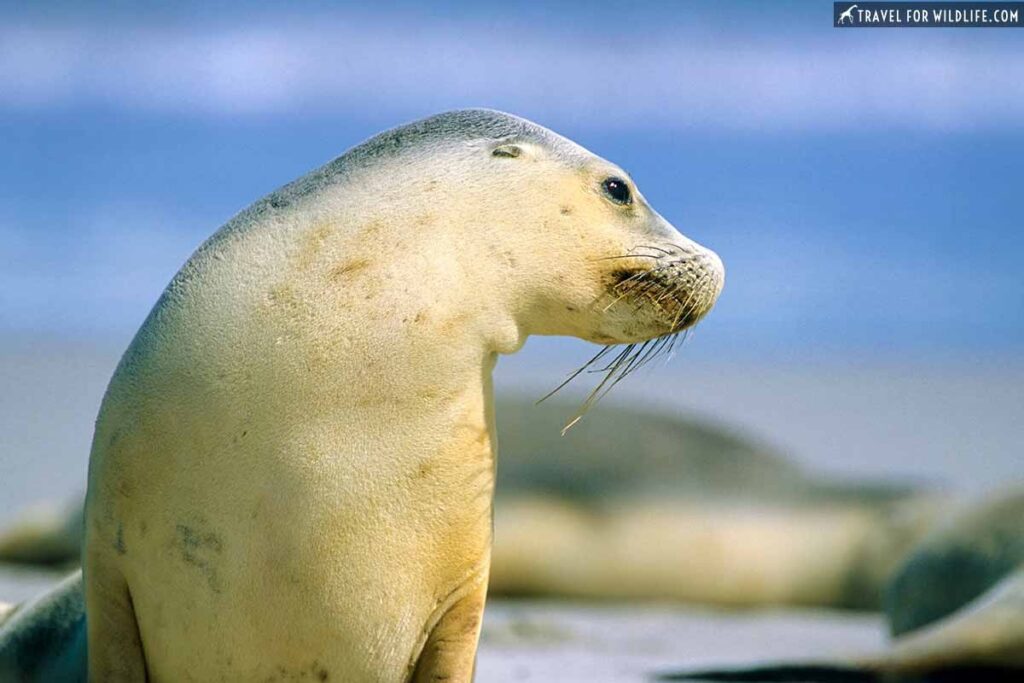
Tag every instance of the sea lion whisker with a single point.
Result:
(661, 344)
(635, 362)
(674, 339)
(621, 373)
(641, 291)
(642, 352)
(680, 248)
(576, 374)
(651, 281)
(658, 348)
(679, 316)
(630, 254)
(625, 256)
(690, 304)
(650, 271)
(623, 350)
(628, 286)
(597, 394)
(651, 246)
(617, 361)
(639, 283)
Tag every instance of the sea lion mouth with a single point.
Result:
(673, 288)
(677, 286)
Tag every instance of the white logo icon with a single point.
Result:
(847, 15)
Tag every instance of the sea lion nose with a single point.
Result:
(703, 275)
(712, 264)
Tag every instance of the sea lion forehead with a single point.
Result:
(459, 126)
(423, 139)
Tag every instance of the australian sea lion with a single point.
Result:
(45, 639)
(956, 608)
(45, 535)
(641, 504)
(958, 600)
(957, 562)
(292, 469)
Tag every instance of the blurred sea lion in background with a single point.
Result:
(955, 607)
(958, 561)
(959, 599)
(44, 639)
(639, 504)
(45, 534)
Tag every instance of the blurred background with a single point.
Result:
(863, 188)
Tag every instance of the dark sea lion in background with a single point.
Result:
(44, 639)
(955, 608)
(957, 562)
(958, 600)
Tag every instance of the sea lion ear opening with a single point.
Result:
(508, 150)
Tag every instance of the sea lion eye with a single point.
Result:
(617, 190)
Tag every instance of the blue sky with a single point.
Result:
(863, 187)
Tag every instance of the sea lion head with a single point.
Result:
(627, 274)
(513, 230)
(569, 240)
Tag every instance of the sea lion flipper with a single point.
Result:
(450, 650)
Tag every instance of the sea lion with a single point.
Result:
(957, 562)
(958, 600)
(45, 639)
(45, 534)
(292, 469)
(955, 608)
(637, 503)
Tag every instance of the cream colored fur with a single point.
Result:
(722, 553)
(292, 470)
